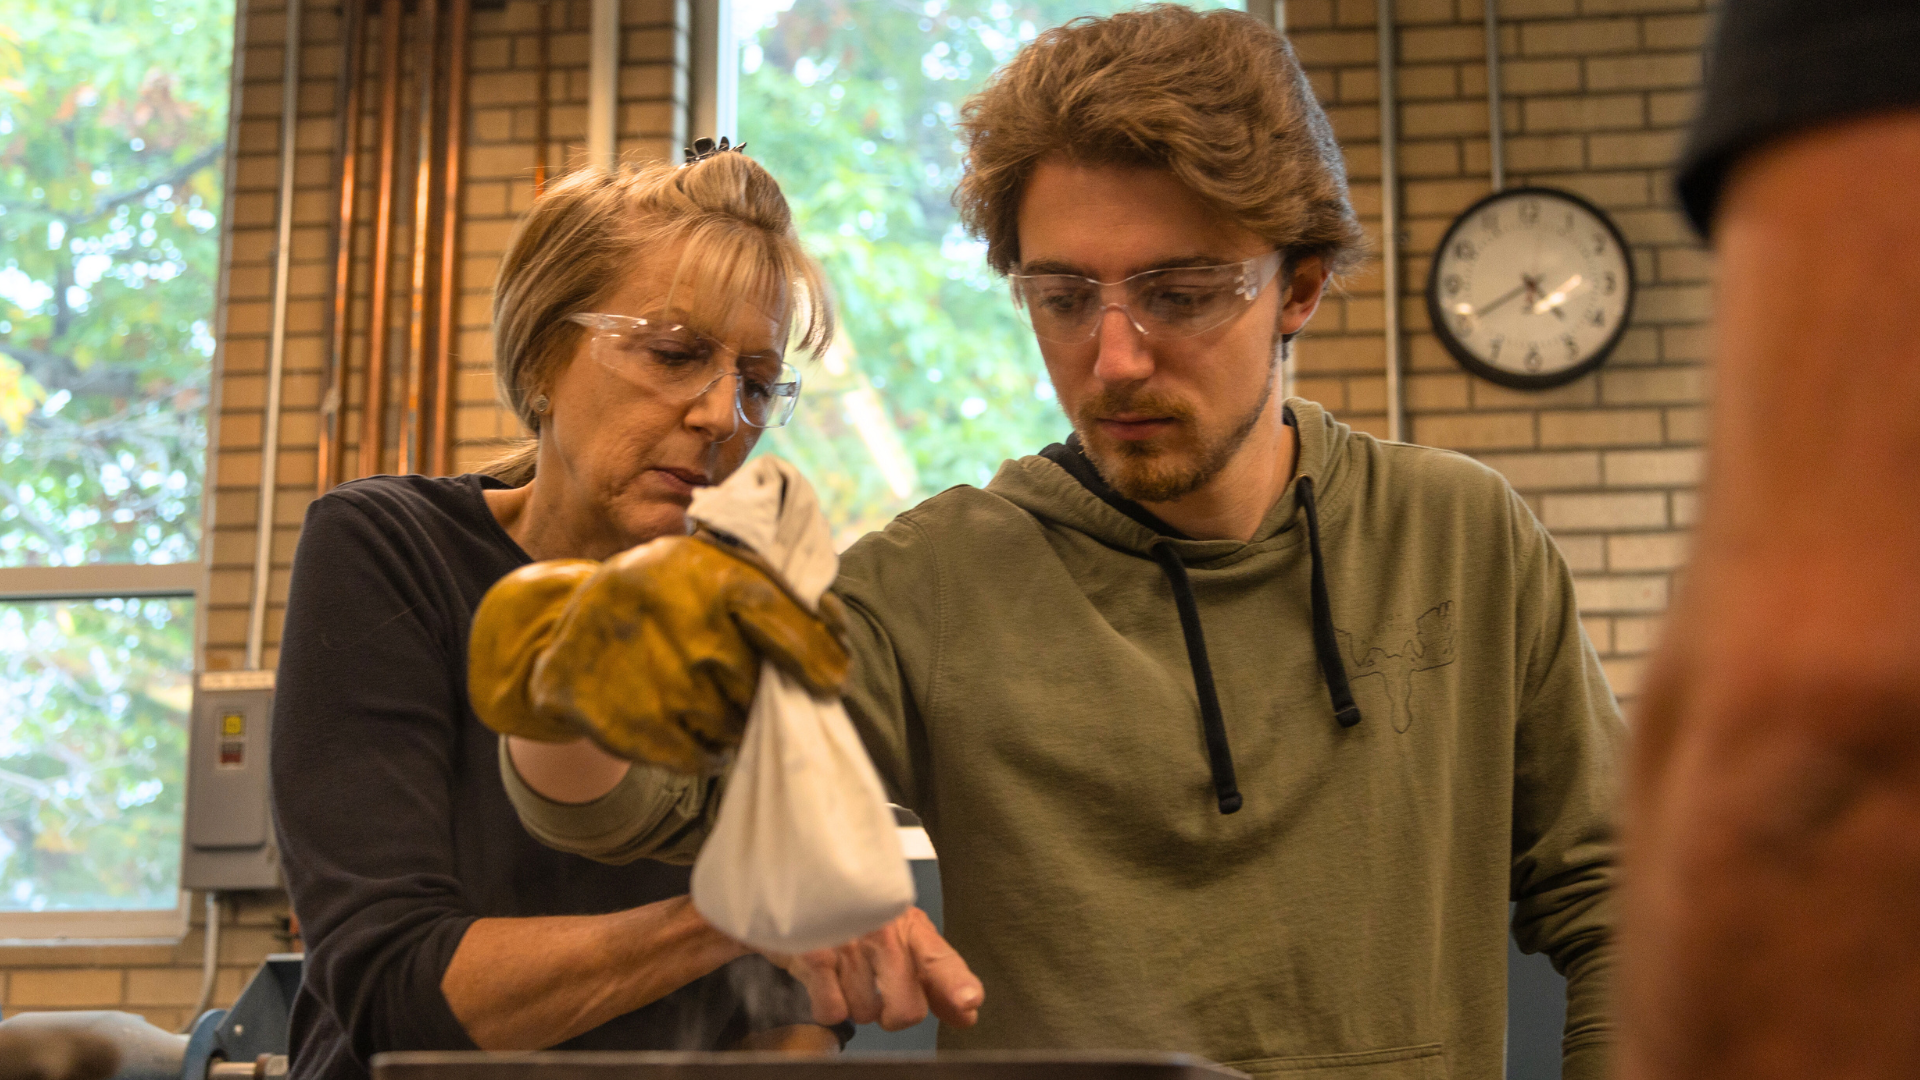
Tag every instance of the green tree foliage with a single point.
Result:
(851, 104)
(93, 752)
(112, 119)
(113, 115)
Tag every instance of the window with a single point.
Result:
(851, 104)
(113, 127)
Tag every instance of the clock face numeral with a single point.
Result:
(1531, 286)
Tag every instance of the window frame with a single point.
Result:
(103, 581)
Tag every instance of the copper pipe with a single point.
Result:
(373, 407)
(426, 82)
(541, 105)
(446, 330)
(333, 409)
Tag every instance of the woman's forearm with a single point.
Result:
(527, 984)
(575, 772)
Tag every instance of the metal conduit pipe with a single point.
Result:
(419, 342)
(333, 408)
(603, 86)
(542, 100)
(373, 403)
(446, 329)
(1496, 122)
(1390, 219)
(276, 344)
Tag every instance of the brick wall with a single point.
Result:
(1597, 93)
(161, 981)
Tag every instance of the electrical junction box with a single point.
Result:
(229, 841)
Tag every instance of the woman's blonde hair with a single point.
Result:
(581, 240)
(1215, 97)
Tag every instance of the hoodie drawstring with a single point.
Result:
(1219, 755)
(1326, 648)
(1332, 669)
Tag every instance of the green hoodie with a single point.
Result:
(1023, 682)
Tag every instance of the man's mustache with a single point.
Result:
(1121, 401)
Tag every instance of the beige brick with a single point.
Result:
(1646, 386)
(1686, 342)
(1579, 37)
(1648, 468)
(1629, 7)
(173, 986)
(1647, 551)
(1329, 354)
(1440, 197)
(1522, 9)
(1623, 150)
(1672, 108)
(1443, 43)
(1687, 425)
(1624, 674)
(1546, 470)
(1308, 14)
(1436, 392)
(1684, 264)
(1475, 431)
(1540, 76)
(64, 989)
(1675, 31)
(1426, 82)
(1600, 427)
(1590, 112)
(1636, 634)
(1599, 630)
(1546, 153)
(1631, 594)
(1686, 508)
(1366, 395)
(1610, 190)
(1334, 47)
(1424, 119)
(1584, 554)
(1591, 512)
(1431, 158)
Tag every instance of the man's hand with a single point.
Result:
(892, 976)
(655, 654)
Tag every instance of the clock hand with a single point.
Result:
(1510, 294)
(1553, 300)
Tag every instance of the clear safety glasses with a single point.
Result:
(682, 364)
(1180, 302)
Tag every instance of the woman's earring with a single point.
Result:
(541, 405)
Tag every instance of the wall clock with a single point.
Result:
(1531, 288)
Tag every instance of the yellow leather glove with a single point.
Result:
(655, 654)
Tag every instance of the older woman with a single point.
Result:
(640, 326)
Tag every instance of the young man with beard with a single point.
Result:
(1237, 731)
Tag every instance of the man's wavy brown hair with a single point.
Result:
(1216, 97)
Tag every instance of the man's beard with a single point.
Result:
(1149, 470)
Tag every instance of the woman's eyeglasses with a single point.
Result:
(681, 364)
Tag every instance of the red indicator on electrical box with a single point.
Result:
(233, 754)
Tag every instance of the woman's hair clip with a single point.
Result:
(702, 149)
